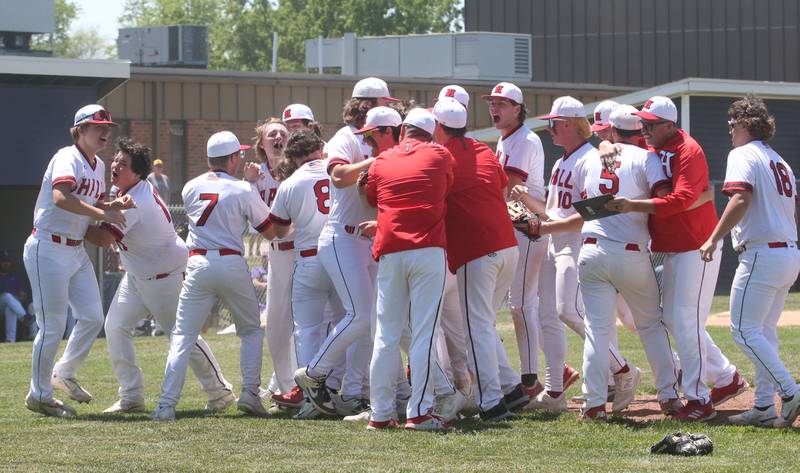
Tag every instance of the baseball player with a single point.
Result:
(482, 251)
(688, 282)
(343, 251)
(299, 117)
(761, 216)
(154, 258)
(59, 270)
(454, 92)
(521, 154)
(219, 208)
(408, 185)
(270, 139)
(613, 258)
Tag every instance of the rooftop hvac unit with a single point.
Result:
(473, 55)
(176, 46)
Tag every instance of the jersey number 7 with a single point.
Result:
(212, 202)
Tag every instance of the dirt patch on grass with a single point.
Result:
(788, 318)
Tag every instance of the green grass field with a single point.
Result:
(230, 442)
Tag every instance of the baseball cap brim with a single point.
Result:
(244, 147)
(366, 129)
(548, 117)
(100, 122)
(490, 96)
(647, 115)
(598, 127)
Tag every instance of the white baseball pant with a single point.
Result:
(347, 258)
(61, 277)
(688, 285)
(209, 277)
(279, 318)
(553, 334)
(482, 285)
(134, 299)
(12, 311)
(605, 268)
(524, 300)
(452, 344)
(415, 279)
(758, 293)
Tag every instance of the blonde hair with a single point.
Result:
(583, 127)
(262, 125)
(75, 133)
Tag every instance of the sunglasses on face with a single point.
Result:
(367, 134)
(551, 122)
(650, 125)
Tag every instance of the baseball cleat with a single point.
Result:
(71, 387)
(427, 423)
(250, 404)
(163, 413)
(449, 405)
(625, 388)
(570, 376)
(533, 391)
(293, 399)
(50, 407)
(497, 413)
(360, 417)
(736, 387)
(790, 409)
(309, 411)
(670, 407)
(315, 391)
(350, 407)
(382, 424)
(123, 406)
(597, 413)
(516, 399)
(757, 417)
(221, 403)
(694, 411)
(546, 402)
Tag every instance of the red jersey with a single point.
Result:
(477, 219)
(408, 184)
(674, 229)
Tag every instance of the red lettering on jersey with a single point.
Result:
(554, 178)
(666, 162)
(564, 199)
(609, 175)
(212, 202)
(322, 192)
(566, 183)
(597, 117)
(450, 93)
(84, 187)
(498, 89)
(782, 180)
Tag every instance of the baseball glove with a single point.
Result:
(523, 220)
(684, 444)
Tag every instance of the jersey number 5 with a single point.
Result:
(610, 176)
(782, 179)
(322, 190)
(212, 202)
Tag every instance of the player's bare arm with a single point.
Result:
(252, 172)
(120, 203)
(573, 223)
(520, 193)
(733, 213)
(513, 181)
(63, 199)
(99, 236)
(623, 204)
(344, 175)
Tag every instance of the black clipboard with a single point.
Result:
(594, 208)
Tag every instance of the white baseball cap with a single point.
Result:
(380, 116)
(506, 90)
(454, 92)
(602, 112)
(450, 112)
(422, 119)
(659, 108)
(565, 107)
(372, 88)
(297, 111)
(94, 114)
(222, 144)
(624, 117)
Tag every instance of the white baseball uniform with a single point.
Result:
(280, 327)
(346, 256)
(154, 258)
(60, 272)
(219, 207)
(521, 154)
(614, 257)
(768, 262)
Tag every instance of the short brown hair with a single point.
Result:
(751, 112)
(262, 125)
(355, 111)
(300, 145)
(139, 154)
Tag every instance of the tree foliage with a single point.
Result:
(240, 31)
(83, 43)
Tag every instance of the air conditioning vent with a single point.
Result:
(176, 46)
(522, 55)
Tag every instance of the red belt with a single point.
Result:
(778, 244)
(307, 253)
(161, 275)
(222, 252)
(282, 245)
(628, 246)
(59, 239)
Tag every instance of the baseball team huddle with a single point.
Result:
(395, 236)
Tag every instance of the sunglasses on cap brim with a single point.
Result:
(100, 117)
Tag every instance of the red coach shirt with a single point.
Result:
(674, 229)
(477, 219)
(408, 184)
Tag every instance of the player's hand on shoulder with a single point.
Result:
(518, 191)
(113, 216)
(362, 181)
(252, 172)
(368, 228)
(122, 203)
